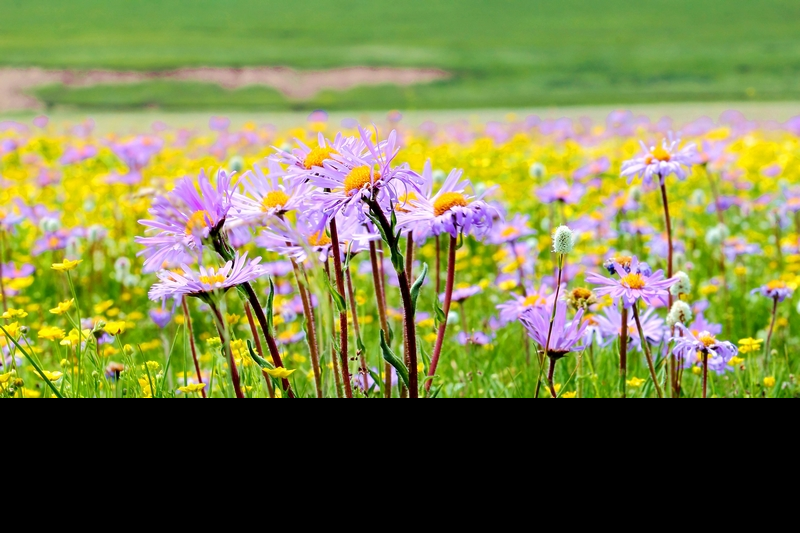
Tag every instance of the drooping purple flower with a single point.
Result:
(514, 309)
(565, 336)
(161, 317)
(660, 162)
(634, 285)
(775, 290)
(690, 348)
(187, 282)
(737, 246)
(462, 295)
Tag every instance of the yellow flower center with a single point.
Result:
(359, 178)
(448, 201)
(581, 294)
(509, 232)
(775, 285)
(212, 280)
(532, 301)
(274, 200)
(707, 339)
(199, 220)
(319, 239)
(624, 261)
(318, 156)
(633, 281)
(660, 154)
(404, 202)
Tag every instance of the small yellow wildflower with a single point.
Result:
(635, 383)
(102, 307)
(193, 388)
(569, 395)
(697, 371)
(51, 334)
(115, 328)
(770, 382)
(52, 376)
(280, 373)
(5, 378)
(737, 361)
(13, 313)
(66, 266)
(152, 366)
(63, 307)
(750, 345)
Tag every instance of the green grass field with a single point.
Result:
(509, 53)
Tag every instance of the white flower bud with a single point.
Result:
(538, 171)
(563, 240)
(236, 164)
(50, 225)
(681, 313)
(439, 175)
(683, 286)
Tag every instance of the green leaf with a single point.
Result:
(33, 363)
(376, 379)
(348, 257)
(438, 312)
(393, 360)
(425, 357)
(418, 286)
(391, 334)
(338, 299)
(261, 362)
(377, 224)
(460, 241)
(270, 307)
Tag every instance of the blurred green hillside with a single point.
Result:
(503, 53)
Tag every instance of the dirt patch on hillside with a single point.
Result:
(298, 85)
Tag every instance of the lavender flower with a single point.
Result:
(565, 335)
(776, 290)
(660, 162)
(208, 280)
(559, 190)
(690, 348)
(268, 195)
(634, 285)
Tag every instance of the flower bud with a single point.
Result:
(681, 313)
(50, 225)
(236, 164)
(538, 171)
(683, 286)
(563, 240)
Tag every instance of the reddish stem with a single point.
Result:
(364, 370)
(381, 302)
(448, 299)
(190, 331)
(259, 347)
(623, 353)
(550, 374)
(336, 250)
(223, 335)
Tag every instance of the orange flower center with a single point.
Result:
(633, 281)
(404, 202)
(317, 156)
(212, 280)
(319, 239)
(659, 154)
(359, 178)
(776, 285)
(448, 201)
(199, 220)
(707, 339)
(581, 294)
(274, 200)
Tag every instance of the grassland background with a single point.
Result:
(503, 53)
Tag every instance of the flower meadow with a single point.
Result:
(550, 259)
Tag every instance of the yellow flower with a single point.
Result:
(5, 378)
(72, 339)
(102, 307)
(63, 307)
(280, 373)
(770, 382)
(12, 330)
(750, 345)
(635, 383)
(152, 366)
(51, 334)
(697, 371)
(115, 328)
(737, 361)
(190, 389)
(13, 313)
(569, 395)
(67, 265)
(52, 376)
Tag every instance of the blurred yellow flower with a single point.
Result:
(67, 265)
(13, 313)
(115, 328)
(569, 395)
(750, 345)
(63, 307)
(193, 388)
(635, 383)
(280, 373)
(51, 334)
(770, 382)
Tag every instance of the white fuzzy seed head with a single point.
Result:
(538, 171)
(563, 240)
(681, 313)
(683, 286)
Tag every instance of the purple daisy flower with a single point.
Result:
(737, 246)
(352, 177)
(634, 285)
(513, 310)
(690, 348)
(565, 335)
(477, 338)
(595, 168)
(304, 161)
(268, 194)
(559, 190)
(207, 280)
(510, 231)
(661, 162)
(611, 321)
(452, 210)
(775, 290)
(184, 219)
(77, 154)
(161, 317)
(462, 295)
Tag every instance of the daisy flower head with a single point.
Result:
(565, 336)
(559, 190)
(659, 162)
(185, 218)
(267, 194)
(610, 324)
(634, 284)
(776, 290)
(690, 347)
(514, 309)
(304, 161)
(453, 210)
(354, 177)
(201, 284)
(625, 261)
(511, 230)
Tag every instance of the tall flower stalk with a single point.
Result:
(188, 318)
